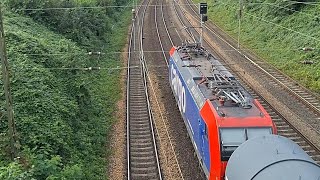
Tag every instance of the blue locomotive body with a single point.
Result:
(218, 113)
(190, 111)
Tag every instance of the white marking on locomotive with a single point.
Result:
(178, 89)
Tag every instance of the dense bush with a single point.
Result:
(63, 110)
(87, 26)
(278, 7)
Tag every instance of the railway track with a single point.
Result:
(176, 152)
(285, 128)
(142, 155)
(143, 161)
(276, 77)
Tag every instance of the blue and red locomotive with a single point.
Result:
(220, 115)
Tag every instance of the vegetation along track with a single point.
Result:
(308, 98)
(284, 126)
(137, 71)
(142, 155)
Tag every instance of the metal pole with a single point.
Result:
(201, 35)
(134, 14)
(134, 31)
(239, 17)
(134, 6)
(6, 83)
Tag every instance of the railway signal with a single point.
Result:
(203, 9)
(204, 18)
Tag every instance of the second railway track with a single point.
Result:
(284, 126)
(305, 96)
(139, 110)
(276, 78)
(142, 155)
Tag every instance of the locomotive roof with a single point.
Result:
(207, 78)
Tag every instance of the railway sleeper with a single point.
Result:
(138, 103)
(142, 163)
(139, 114)
(143, 142)
(286, 130)
(306, 146)
(139, 83)
(316, 156)
(286, 126)
(141, 148)
(138, 128)
(139, 136)
(139, 144)
(144, 169)
(139, 120)
(140, 132)
(289, 134)
(137, 95)
(279, 122)
(294, 138)
(139, 123)
(139, 107)
(136, 87)
(143, 158)
(302, 143)
(144, 176)
(278, 119)
(141, 153)
(310, 152)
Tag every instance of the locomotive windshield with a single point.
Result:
(231, 138)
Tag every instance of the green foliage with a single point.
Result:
(277, 30)
(15, 171)
(63, 110)
(278, 7)
(88, 27)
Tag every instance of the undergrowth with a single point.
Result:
(64, 98)
(277, 31)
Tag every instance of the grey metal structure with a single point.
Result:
(271, 157)
(207, 78)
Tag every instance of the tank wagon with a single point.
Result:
(282, 159)
(218, 112)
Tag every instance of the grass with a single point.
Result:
(276, 34)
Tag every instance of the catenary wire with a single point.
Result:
(126, 52)
(283, 27)
(155, 5)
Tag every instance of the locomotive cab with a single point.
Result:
(232, 138)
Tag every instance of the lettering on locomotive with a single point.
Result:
(178, 89)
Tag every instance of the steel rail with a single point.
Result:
(181, 21)
(159, 38)
(313, 106)
(165, 24)
(143, 74)
(153, 89)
